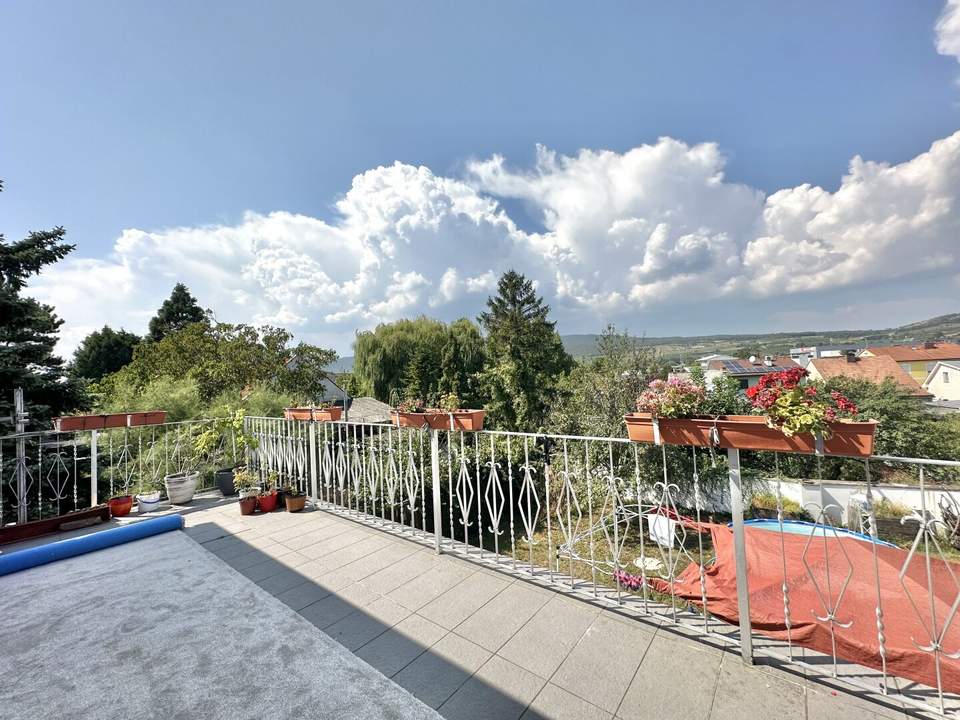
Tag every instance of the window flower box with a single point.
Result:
(467, 420)
(329, 414)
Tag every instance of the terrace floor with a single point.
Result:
(466, 640)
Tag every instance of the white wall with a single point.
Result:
(945, 388)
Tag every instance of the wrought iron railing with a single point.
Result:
(623, 524)
(43, 474)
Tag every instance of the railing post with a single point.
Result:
(740, 556)
(435, 486)
(312, 449)
(94, 474)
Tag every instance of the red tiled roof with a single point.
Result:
(908, 353)
(875, 369)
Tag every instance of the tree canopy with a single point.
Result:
(420, 358)
(176, 313)
(103, 352)
(28, 331)
(525, 360)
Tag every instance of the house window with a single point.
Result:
(946, 376)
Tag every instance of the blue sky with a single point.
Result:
(243, 125)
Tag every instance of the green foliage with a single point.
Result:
(28, 332)
(178, 396)
(177, 312)
(244, 480)
(422, 358)
(526, 361)
(724, 396)
(885, 508)
(225, 359)
(599, 392)
(103, 352)
(229, 428)
(768, 501)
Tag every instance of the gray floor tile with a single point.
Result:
(744, 691)
(332, 608)
(363, 625)
(285, 580)
(464, 599)
(306, 593)
(497, 621)
(544, 642)
(400, 645)
(554, 703)
(435, 675)
(401, 572)
(263, 569)
(826, 705)
(676, 677)
(499, 690)
(599, 669)
(434, 582)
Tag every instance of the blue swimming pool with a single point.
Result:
(799, 527)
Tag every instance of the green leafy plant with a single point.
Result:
(291, 490)
(885, 508)
(270, 484)
(412, 405)
(209, 440)
(244, 480)
(768, 501)
(449, 402)
(796, 407)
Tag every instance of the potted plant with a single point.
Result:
(181, 486)
(447, 415)
(792, 417)
(889, 516)
(148, 499)
(293, 498)
(324, 412)
(267, 501)
(210, 440)
(246, 484)
(120, 505)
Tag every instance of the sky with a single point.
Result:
(673, 168)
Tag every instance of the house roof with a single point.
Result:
(369, 410)
(745, 368)
(875, 368)
(923, 351)
(937, 368)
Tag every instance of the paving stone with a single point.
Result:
(496, 622)
(499, 689)
(364, 624)
(332, 608)
(464, 599)
(688, 695)
(397, 647)
(263, 569)
(434, 582)
(390, 578)
(826, 705)
(544, 642)
(744, 691)
(306, 593)
(436, 674)
(285, 580)
(599, 669)
(554, 703)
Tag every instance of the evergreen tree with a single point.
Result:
(178, 311)
(28, 332)
(525, 358)
(103, 352)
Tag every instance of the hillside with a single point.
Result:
(943, 327)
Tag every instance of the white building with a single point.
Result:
(943, 381)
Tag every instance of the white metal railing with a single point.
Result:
(584, 514)
(51, 473)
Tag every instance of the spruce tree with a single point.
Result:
(28, 332)
(103, 352)
(525, 358)
(178, 311)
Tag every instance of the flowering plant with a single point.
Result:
(673, 398)
(797, 407)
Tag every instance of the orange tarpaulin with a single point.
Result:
(905, 627)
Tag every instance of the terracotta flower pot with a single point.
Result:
(751, 432)
(295, 503)
(467, 420)
(248, 505)
(330, 414)
(268, 502)
(120, 505)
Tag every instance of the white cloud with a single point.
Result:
(622, 232)
(947, 30)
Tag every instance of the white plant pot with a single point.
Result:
(181, 486)
(149, 502)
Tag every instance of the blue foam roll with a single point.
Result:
(51, 552)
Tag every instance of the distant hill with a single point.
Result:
(943, 327)
(341, 365)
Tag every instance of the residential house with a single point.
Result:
(943, 382)
(748, 372)
(803, 355)
(875, 368)
(919, 360)
(705, 361)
